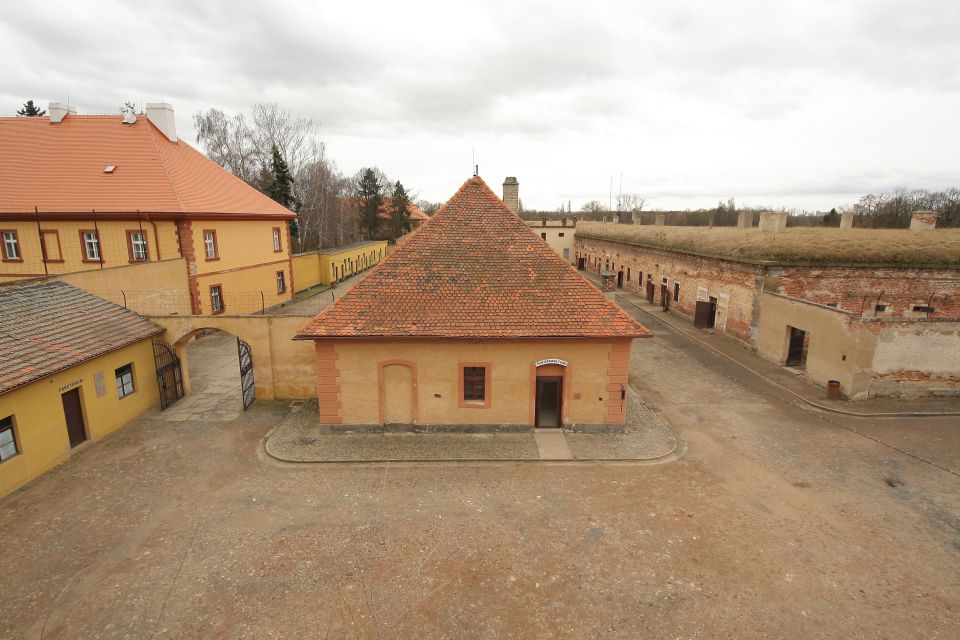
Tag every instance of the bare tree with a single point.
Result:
(630, 202)
(594, 206)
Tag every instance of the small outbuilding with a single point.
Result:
(73, 368)
(474, 324)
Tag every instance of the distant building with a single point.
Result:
(73, 368)
(877, 311)
(333, 264)
(91, 193)
(473, 323)
(414, 214)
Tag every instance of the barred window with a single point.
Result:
(474, 384)
(216, 298)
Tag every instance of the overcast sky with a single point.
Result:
(804, 104)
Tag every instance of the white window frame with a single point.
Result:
(138, 247)
(281, 282)
(11, 246)
(210, 245)
(124, 379)
(8, 439)
(277, 243)
(91, 245)
(216, 298)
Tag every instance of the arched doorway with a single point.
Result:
(398, 392)
(218, 374)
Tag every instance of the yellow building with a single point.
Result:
(73, 368)
(559, 234)
(325, 266)
(473, 323)
(87, 193)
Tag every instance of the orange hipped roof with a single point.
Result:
(59, 168)
(474, 270)
(413, 211)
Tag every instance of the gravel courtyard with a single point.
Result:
(776, 523)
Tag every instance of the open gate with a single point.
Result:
(246, 374)
(169, 374)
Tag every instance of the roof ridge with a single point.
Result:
(163, 165)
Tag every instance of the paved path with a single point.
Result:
(318, 299)
(214, 379)
(646, 437)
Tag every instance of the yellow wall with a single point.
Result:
(437, 374)
(306, 270)
(37, 410)
(834, 353)
(350, 261)
(317, 267)
(559, 238)
(283, 368)
(113, 245)
(157, 288)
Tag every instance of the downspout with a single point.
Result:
(156, 236)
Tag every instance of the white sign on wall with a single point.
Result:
(558, 361)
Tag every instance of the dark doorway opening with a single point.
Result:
(549, 401)
(73, 412)
(664, 297)
(649, 292)
(581, 264)
(712, 318)
(619, 279)
(797, 351)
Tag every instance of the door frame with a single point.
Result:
(381, 393)
(560, 403)
(83, 417)
(546, 371)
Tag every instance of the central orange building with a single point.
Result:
(473, 324)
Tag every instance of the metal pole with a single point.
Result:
(263, 309)
(43, 247)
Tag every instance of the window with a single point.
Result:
(281, 285)
(8, 439)
(566, 254)
(137, 246)
(881, 307)
(216, 298)
(91, 246)
(11, 246)
(50, 245)
(920, 308)
(277, 244)
(210, 244)
(543, 235)
(561, 235)
(676, 292)
(124, 376)
(474, 384)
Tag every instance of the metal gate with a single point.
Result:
(246, 374)
(169, 375)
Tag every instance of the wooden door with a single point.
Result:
(73, 412)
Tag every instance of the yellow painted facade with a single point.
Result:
(245, 265)
(65, 248)
(561, 237)
(38, 415)
(371, 386)
(337, 263)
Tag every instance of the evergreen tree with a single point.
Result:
(280, 182)
(399, 218)
(30, 110)
(369, 196)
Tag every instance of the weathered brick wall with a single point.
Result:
(735, 285)
(861, 290)
(914, 358)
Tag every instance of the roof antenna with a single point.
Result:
(476, 170)
(473, 160)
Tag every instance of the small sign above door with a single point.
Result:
(558, 361)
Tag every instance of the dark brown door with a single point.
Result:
(701, 315)
(649, 292)
(664, 297)
(797, 352)
(549, 404)
(620, 280)
(73, 412)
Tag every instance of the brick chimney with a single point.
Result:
(58, 111)
(923, 221)
(161, 115)
(511, 194)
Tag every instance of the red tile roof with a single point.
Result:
(48, 326)
(59, 167)
(474, 270)
(413, 211)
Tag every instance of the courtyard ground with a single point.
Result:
(778, 522)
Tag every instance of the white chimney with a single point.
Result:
(58, 111)
(161, 115)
